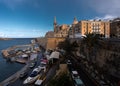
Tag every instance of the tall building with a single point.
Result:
(81, 28)
(60, 30)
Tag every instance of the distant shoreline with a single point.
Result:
(5, 38)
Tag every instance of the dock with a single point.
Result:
(6, 51)
(13, 77)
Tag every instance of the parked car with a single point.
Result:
(75, 74)
(69, 62)
(78, 82)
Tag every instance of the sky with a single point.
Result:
(33, 18)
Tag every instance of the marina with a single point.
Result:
(9, 68)
(21, 53)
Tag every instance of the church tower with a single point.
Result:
(75, 21)
(74, 26)
(55, 25)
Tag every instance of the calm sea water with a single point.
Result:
(7, 68)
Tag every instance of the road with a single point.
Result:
(83, 75)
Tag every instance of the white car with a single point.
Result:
(75, 74)
(69, 62)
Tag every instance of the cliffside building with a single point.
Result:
(79, 28)
(84, 27)
(115, 28)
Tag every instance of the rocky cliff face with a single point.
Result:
(42, 41)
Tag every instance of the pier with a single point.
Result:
(20, 53)
(6, 51)
(14, 76)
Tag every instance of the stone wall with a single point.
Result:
(53, 42)
(103, 54)
(42, 41)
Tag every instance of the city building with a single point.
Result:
(77, 29)
(115, 28)
(83, 27)
(80, 28)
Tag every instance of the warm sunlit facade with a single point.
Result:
(84, 27)
(60, 30)
(79, 29)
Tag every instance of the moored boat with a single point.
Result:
(33, 76)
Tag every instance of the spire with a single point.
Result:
(55, 22)
(75, 20)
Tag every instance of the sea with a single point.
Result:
(9, 68)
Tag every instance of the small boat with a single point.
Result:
(39, 81)
(32, 64)
(42, 67)
(44, 61)
(23, 74)
(33, 76)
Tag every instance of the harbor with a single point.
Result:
(33, 57)
(37, 72)
(20, 53)
(9, 68)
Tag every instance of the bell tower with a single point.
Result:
(75, 20)
(55, 24)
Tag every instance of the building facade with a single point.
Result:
(84, 27)
(81, 28)
(115, 28)
(60, 30)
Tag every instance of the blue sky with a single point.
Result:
(33, 18)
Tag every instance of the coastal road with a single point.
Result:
(50, 74)
(83, 75)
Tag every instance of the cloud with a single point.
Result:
(21, 33)
(105, 18)
(106, 7)
(13, 4)
(2, 34)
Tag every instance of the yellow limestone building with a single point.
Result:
(77, 29)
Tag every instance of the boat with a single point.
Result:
(33, 76)
(23, 74)
(44, 61)
(39, 81)
(32, 64)
(42, 67)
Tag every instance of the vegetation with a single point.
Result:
(62, 80)
(89, 45)
(68, 46)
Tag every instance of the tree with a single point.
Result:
(90, 43)
(62, 80)
(65, 45)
